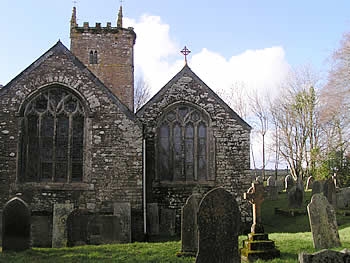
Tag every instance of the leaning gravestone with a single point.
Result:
(323, 223)
(59, 226)
(326, 256)
(189, 226)
(288, 182)
(15, 225)
(218, 225)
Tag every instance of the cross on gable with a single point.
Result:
(185, 51)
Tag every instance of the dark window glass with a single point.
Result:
(182, 148)
(53, 137)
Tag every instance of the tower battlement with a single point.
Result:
(108, 51)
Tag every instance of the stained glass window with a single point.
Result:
(183, 144)
(53, 140)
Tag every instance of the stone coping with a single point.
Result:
(56, 186)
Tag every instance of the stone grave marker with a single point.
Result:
(288, 182)
(323, 222)
(59, 224)
(271, 181)
(325, 256)
(258, 245)
(218, 227)
(77, 228)
(167, 221)
(343, 198)
(123, 212)
(189, 226)
(309, 183)
(16, 225)
(153, 218)
(317, 187)
(295, 197)
(259, 179)
(329, 191)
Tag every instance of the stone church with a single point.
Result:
(91, 170)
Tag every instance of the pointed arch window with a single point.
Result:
(183, 145)
(53, 137)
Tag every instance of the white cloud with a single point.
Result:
(157, 59)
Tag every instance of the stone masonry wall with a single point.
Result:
(232, 143)
(113, 141)
(115, 58)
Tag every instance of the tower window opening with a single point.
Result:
(93, 57)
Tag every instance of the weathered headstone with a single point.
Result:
(325, 256)
(41, 230)
(309, 183)
(167, 221)
(59, 224)
(323, 223)
(329, 191)
(255, 195)
(271, 192)
(317, 187)
(271, 181)
(15, 225)
(218, 225)
(153, 218)
(288, 182)
(123, 212)
(189, 226)
(343, 198)
(295, 197)
(77, 228)
(259, 179)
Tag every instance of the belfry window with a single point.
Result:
(53, 137)
(183, 148)
(93, 57)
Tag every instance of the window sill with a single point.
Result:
(80, 186)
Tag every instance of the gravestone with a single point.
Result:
(77, 228)
(189, 226)
(343, 198)
(41, 230)
(218, 228)
(309, 183)
(317, 187)
(259, 179)
(295, 197)
(59, 224)
(323, 223)
(329, 191)
(123, 213)
(258, 245)
(270, 181)
(15, 225)
(153, 218)
(325, 256)
(167, 221)
(288, 182)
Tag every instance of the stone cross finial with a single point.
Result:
(185, 51)
(255, 195)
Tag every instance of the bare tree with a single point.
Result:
(296, 118)
(260, 108)
(141, 94)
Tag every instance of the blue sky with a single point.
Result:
(307, 30)
(252, 42)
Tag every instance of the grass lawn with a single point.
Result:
(290, 233)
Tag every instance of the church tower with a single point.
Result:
(109, 53)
